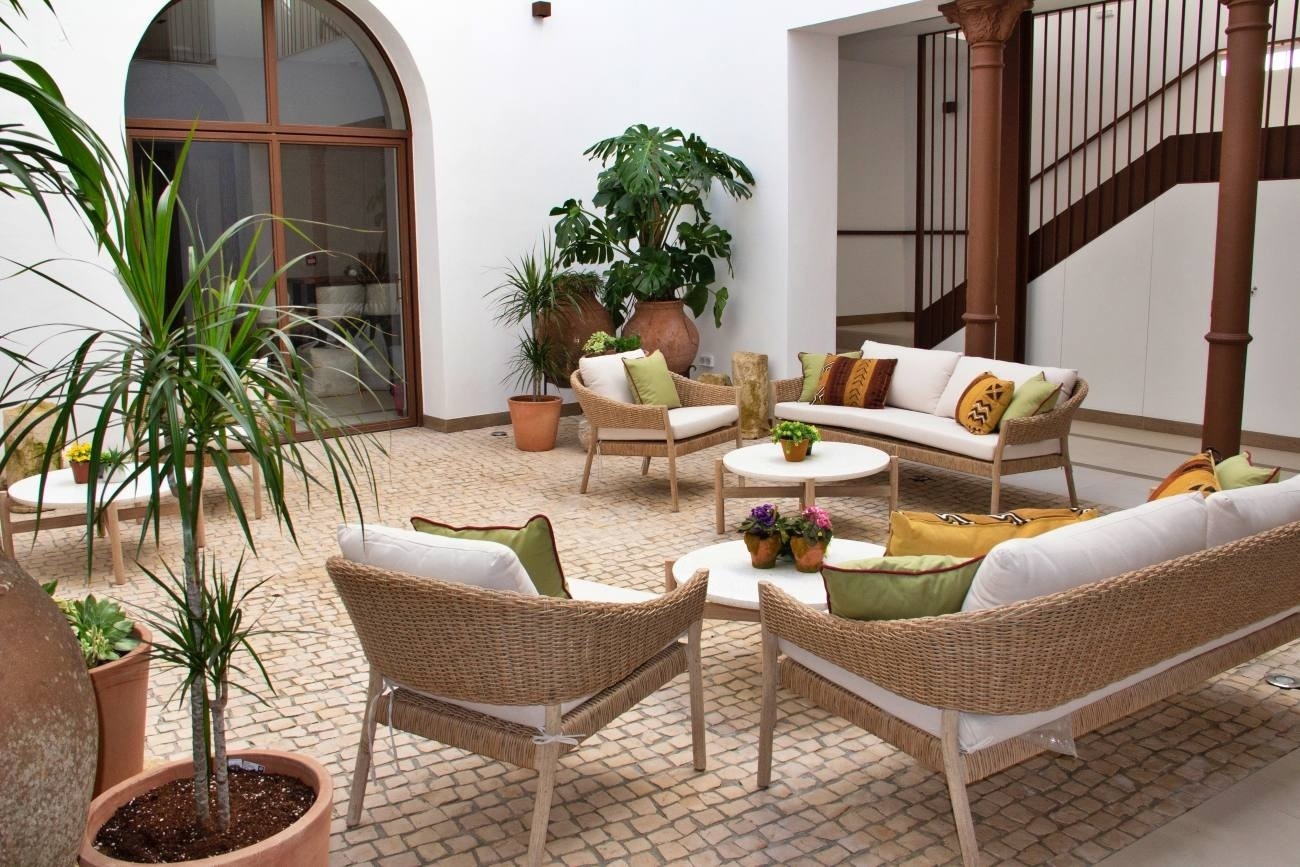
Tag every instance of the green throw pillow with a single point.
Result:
(898, 588)
(1238, 472)
(651, 382)
(533, 543)
(813, 362)
(1032, 397)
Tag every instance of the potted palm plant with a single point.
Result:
(195, 380)
(648, 221)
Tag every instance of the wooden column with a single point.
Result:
(987, 25)
(1234, 241)
(1013, 191)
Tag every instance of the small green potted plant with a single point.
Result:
(116, 651)
(763, 536)
(809, 535)
(110, 461)
(795, 438)
(604, 343)
(78, 456)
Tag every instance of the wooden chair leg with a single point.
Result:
(893, 484)
(645, 466)
(672, 476)
(591, 454)
(548, 757)
(767, 711)
(954, 769)
(1069, 471)
(995, 498)
(695, 671)
(361, 770)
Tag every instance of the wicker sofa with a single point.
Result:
(971, 694)
(917, 422)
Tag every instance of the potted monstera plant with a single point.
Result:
(648, 222)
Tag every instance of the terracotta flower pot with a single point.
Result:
(121, 696)
(536, 421)
(666, 326)
(807, 555)
(763, 551)
(795, 450)
(305, 843)
(80, 471)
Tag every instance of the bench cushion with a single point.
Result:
(971, 366)
(1090, 551)
(686, 421)
(1241, 512)
(916, 427)
(920, 376)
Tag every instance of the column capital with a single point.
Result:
(990, 20)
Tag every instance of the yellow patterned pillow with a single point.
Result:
(981, 405)
(959, 535)
(1194, 474)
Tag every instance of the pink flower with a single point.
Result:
(818, 516)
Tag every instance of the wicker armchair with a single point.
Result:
(424, 637)
(644, 431)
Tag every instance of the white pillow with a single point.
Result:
(489, 565)
(971, 366)
(1242, 512)
(1089, 551)
(920, 376)
(606, 375)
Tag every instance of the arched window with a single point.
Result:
(296, 112)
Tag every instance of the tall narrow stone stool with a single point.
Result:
(749, 373)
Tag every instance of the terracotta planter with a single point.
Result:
(536, 421)
(795, 450)
(305, 843)
(568, 328)
(80, 471)
(763, 551)
(807, 555)
(666, 326)
(121, 697)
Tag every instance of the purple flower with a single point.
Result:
(818, 516)
(764, 515)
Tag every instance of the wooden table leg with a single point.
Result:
(809, 497)
(719, 509)
(257, 489)
(6, 528)
(115, 543)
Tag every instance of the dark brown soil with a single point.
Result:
(160, 826)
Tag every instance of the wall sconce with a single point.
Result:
(541, 9)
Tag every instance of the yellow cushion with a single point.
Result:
(981, 405)
(1193, 474)
(848, 382)
(915, 533)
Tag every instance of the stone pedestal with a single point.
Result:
(714, 378)
(749, 371)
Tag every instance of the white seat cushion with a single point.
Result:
(606, 375)
(1089, 551)
(971, 366)
(916, 427)
(1235, 514)
(489, 565)
(594, 591)
(978, 731)
(920, 376)
(685, 421)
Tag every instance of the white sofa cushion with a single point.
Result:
(1235, 514)
(685, 421)
(971, 366)
(917, 427)
(1089, 551)
(978, 731)
(920, 376)
(606, 375)
(489, 565)
(594, 591)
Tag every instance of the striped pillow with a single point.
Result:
(855, 382)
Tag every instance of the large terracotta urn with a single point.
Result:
(666, 326)
(48, 734)
(569, 327)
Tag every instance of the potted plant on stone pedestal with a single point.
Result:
(649, 222)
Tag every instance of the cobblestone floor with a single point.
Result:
(629, 795)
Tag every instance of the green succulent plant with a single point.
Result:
(102, 628)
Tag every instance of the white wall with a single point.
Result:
(502, 107)
(1131, 309)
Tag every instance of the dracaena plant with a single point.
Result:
(649, 222)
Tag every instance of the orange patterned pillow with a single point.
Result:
(855, 382)
(981, 405)
(1194, 474)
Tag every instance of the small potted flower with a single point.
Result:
(78, 456)
(809, 535)
(763, 536)
(796, 439)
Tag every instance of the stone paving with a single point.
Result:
(629, 794)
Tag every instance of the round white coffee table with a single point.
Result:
(733, 582)
(61, 492)
(828, 463)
